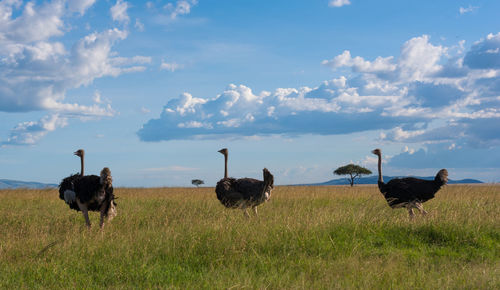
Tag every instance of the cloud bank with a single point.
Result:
(332, 108)
(36, 71)
(37, 68)
(428, 94)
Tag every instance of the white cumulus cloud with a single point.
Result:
(338, 3)
(119, 12)
(181, 7)
(80, 6)
(358, 64)
(25, 28)
(485, 53)
(418, 60)
(171, 66)
(468, 9)
(29, 133)
(139, 25)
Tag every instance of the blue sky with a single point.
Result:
(153, 89)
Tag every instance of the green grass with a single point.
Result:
(305, 237)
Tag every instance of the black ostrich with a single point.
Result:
(243, 192)
(409, 192)
(89, 193)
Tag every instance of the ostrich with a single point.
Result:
(91, 192)
(409, 192)
(244, 192)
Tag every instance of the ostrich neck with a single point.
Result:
(81, 166)
(225, 165)
(380, 179)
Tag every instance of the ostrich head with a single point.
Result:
(377, 152)
(79, 152)
(223, 151)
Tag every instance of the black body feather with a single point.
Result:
(89, 191)
(400, 191)
(243, 192)
(235, 193)
(409, 192)
(68, 183)
(93, 194)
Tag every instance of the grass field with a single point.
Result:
(305, 237)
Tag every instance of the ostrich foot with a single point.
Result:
(87, 220)
(101, 222)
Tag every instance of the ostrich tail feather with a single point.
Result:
(105, 177)
(442, 177)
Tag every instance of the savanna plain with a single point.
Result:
(304, 237)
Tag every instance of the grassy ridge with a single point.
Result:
(305, 237)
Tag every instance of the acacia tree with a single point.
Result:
(354, 171)
(197, 182)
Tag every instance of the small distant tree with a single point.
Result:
(354, 171)
(197, 182)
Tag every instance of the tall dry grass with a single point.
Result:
(305, 237)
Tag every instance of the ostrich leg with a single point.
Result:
(410, 212)
(85, 212)
(246, 213)
(101, 223)
(255, 211)
(420, 207)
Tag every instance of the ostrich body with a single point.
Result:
(95, 193)
(409, 192)
(89, 193)
(243, 193)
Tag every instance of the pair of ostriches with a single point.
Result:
(95, 193)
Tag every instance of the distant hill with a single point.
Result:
(11, 184)
(373, 180)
